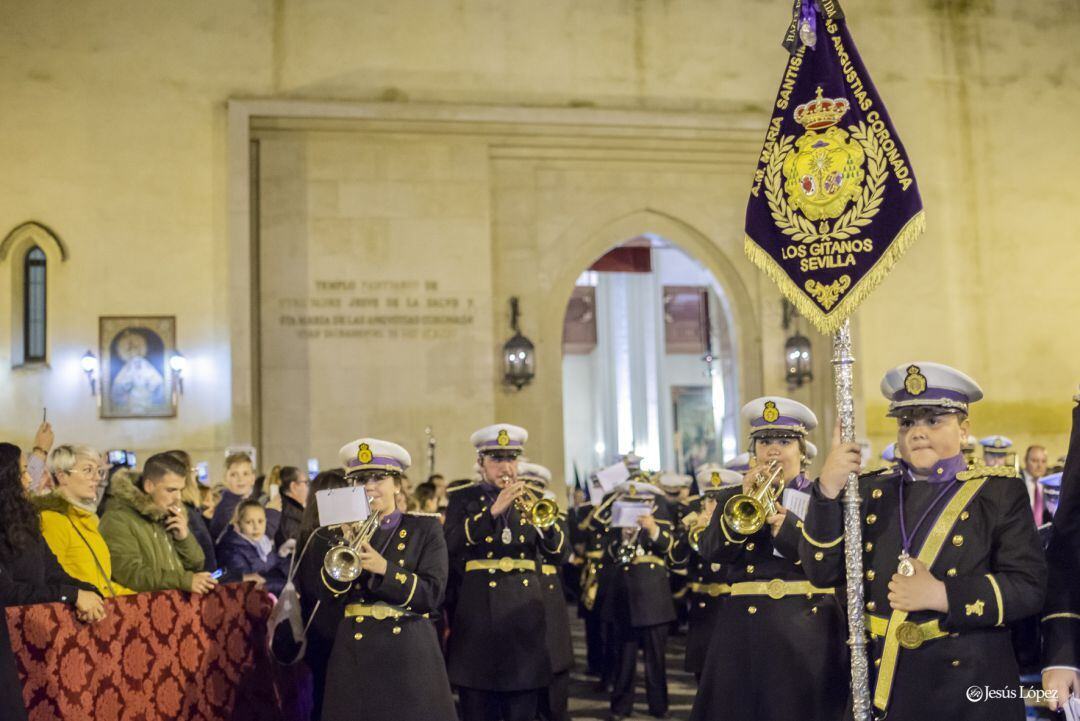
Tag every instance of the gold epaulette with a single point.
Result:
(986, 472)
(458, 487)
(421, 514)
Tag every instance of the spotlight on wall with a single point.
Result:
(797, 352)
(519, 354)
(89, 363)
(178, 366)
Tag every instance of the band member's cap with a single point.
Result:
(533, 473)
(365, 454)
(996, 445)
(923, 384)
(501, 437)
(712, 478)
(674, 481)
(778, 416)
(740, 463)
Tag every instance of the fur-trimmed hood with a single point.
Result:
(58, 503)
(125, 493)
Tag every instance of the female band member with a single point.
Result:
(386, 664)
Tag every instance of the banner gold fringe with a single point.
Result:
(829, 323)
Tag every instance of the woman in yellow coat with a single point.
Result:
(69, 519)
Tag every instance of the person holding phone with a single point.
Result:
(146, 528)
(386, 664)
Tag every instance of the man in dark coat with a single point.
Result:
(637, 602)
(1061, 614)
(951, 556)
(498, 657)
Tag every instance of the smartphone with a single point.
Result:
(130, 459)
(217, 574)
(202, 473)
(118, 458)
(312, 468)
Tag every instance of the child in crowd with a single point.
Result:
(247, 550)
(239, 485)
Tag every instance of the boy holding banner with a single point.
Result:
(951, 556)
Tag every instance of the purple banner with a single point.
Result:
(834, 202)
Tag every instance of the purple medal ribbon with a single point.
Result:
(905, 538)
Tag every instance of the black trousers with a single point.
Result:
(594, 644)
(653, 641)
(481, 705)
(555, 703)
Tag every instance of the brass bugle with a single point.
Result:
(342, 562)
(745, 513)
(539, 511)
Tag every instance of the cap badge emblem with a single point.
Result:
(915, 383)
(998, 443)
(364, 454)
(504, 438)
(715, 479)
(770, 414)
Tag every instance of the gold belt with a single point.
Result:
(595, 555)
(548, 570)
(506, 565)
(911, 635)
(377, 612)
(648, 559)
(777, 588)
(710, 589)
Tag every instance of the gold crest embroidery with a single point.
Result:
(974, 609)
(401, 578)
(364, 455)
(915, 383)
(715, 480)
(504, 438)
(824, 171)
(770, 414)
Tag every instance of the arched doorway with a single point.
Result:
(650, 361)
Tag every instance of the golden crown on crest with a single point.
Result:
(821, 113)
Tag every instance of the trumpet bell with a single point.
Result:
(744, 514)
(544, 513)
(342, 564)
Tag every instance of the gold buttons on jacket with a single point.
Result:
(488, 539)
(525, 582)
(750, 546)
(869, 546)
(751, 610)
(870, 575)
(358, 636)
(401, 547)
(958, 540)
(964, 516)
(819, 556)
(876, 493)
(402, 533)
(397, 630)
(359, 619)
(870, 605)
(871, 519)
(750, 569)
(955, 662)
(951, 573)
(492, 584)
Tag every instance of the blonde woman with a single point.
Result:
(69, 519)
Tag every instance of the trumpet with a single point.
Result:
(539, 511)
(745, 513)
(696, 523)
(342, 562)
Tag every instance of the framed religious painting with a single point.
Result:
(136, 381)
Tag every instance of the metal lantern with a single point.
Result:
(797, 360)
(519, 354)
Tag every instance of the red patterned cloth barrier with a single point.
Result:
(156, 657)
